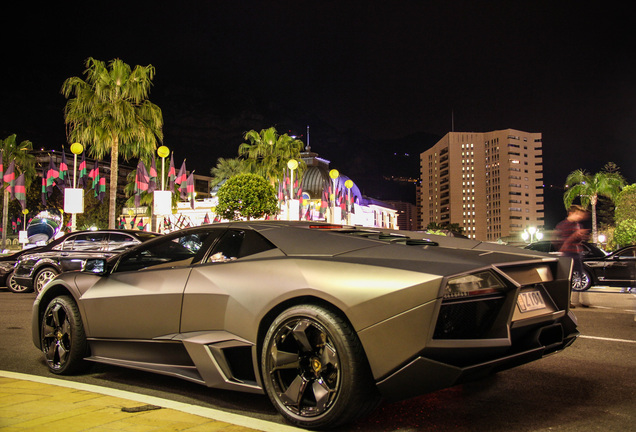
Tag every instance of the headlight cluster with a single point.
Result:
(7, 265)
(485, 282)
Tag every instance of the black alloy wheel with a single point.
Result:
(314, 369)
(62, 336)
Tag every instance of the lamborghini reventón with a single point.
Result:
(325, 320)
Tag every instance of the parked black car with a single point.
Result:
(34, 270)
(599, 268)
(616, 269)
(7, 265)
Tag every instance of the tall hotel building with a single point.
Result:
(490, 183)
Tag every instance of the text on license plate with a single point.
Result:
(530, 300)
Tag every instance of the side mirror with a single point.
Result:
(95, 265)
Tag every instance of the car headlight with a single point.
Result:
(7, 265)
(485, 282)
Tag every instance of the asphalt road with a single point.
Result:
(588, 387)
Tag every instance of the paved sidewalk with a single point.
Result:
(31, 403)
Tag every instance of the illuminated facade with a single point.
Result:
(489, 183)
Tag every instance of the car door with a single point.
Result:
(620, 267)
(220, 276)
(141, 298)
(79, 248)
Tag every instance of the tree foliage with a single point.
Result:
(110, 114)
(625, 232)
(626, 203)
(246, 196)
(267, 153)
(226, 168)
(587, 188)
(24, 163)
(625, 215)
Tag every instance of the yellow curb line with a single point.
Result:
(236, 419)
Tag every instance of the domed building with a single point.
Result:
(338, 199)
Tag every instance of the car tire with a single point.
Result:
(62, 337)
(581, 281)
(15, 287)
(43, 277)
(314, 369)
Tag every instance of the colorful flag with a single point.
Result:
(20, 191)
(190, 189)
(132, 222)
(206, 219)
(1, 166)
(83, 171)
(94, 176)
(9, 177)
(171, 174)
(152, 176)
(63, 173)
(44, 191)
(140, 224)
(101, 188)
(52, 176)
(182, 177)
(122, 222)
(141, 182)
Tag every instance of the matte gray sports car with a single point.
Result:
(326, 320)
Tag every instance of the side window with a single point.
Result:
(86, 242)
(119, 241)
(627, 253)
(238, 244)
(171, 252)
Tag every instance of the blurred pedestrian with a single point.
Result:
(571, 234)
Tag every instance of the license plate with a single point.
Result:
(530, 300)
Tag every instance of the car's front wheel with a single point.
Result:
(43, 277)
(314, 369)
(581, 281)
(62, 336)
(15, 287)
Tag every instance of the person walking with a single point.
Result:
(571, 234)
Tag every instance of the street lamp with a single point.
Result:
(74, 197)
(334, 174)
(531, 234)
(292, 164)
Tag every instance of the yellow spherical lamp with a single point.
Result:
(163, 151)
(77, 148)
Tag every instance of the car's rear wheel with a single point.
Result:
(581, 281)
(62, 336)
(15, 287)
(43, 277)
(314, 369)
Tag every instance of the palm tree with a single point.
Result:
(580, 184)
(110, 113)
(226, 168)
(24, 162)
(267, 153)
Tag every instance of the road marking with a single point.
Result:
(214, 414)
(608, 339)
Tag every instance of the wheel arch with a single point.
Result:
(271, 315)
(40, 304)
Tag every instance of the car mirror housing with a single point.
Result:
(95, 265)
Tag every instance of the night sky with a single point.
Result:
(377, 82)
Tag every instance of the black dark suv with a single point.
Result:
(34, 270)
